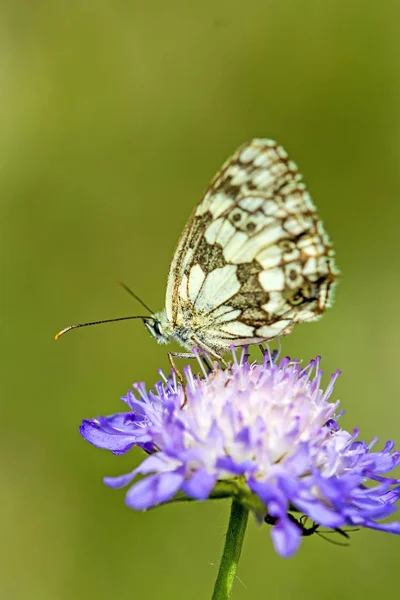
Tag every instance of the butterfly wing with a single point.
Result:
(254, 258)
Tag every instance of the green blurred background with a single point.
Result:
(114, 117)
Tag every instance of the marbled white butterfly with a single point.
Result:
(253, 259)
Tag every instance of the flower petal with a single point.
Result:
(200, 485)
(286, 537)
(153, 490)
(119, 443)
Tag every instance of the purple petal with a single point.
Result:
(392, 496)
(117, 442)
(393, 527)
(152, 464)
(227, 463)
(320, 513)
(286, 537)
(299, 463)
(153, 490)
(268, 493)
(200, 485)
(120, 481)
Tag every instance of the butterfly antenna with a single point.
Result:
(127, 289)
(60, 333)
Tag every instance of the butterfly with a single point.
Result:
(252, 261)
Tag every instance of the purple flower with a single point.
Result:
(265, 434)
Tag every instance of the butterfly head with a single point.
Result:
(160, 327)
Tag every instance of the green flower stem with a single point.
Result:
(232, 550)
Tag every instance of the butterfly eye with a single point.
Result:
(157, 328)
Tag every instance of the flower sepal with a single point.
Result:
(229, 488)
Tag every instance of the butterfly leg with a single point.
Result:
(172, 355)
(179, 376)
(209, 351)
(182, 355)
(208, 365)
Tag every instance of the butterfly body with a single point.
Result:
(253, 259)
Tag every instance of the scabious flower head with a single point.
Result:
(265, 434)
